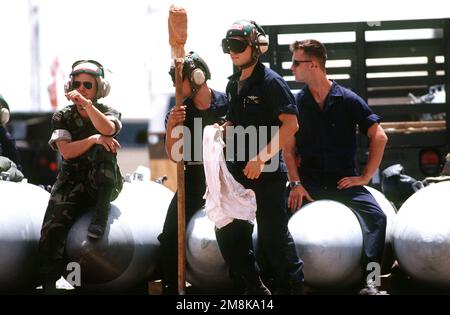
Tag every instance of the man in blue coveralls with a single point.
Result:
(260, 101)
(326, 145)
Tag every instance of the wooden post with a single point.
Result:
(177, 39)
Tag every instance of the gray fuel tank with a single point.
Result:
(328, 238)
(422, 235)
(206, 268)
(21, 213)
(127, 254)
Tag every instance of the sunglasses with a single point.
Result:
(234, 45)
(296, 63)
(76, 84)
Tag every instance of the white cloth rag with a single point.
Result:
(226, 199)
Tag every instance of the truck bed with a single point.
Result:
(393, 65)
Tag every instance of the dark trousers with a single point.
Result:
(276, 248)
(168, 239)
(236, 245)
(370, 216)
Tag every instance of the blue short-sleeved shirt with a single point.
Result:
(326, 140)
(196, 120)
(262, 98)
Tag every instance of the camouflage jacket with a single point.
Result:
(67, 124)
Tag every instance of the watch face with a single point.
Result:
(295, 184)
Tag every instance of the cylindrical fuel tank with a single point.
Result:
(206, 268)
(328, 238)
(21, 214)
(422, 235)
(127, 254)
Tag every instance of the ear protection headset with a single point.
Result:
(196, 70)
(4, 111)
(94, 68)
(259, 39)
(4, 116)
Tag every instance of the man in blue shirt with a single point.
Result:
(202, 106)
(326, 145)
(262, 112)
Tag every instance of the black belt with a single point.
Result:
(193, 163)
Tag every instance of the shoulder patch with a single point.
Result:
(57, 116)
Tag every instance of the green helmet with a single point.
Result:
(93, 68)
(195, 69)
(252, 32)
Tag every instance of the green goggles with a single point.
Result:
(233, 44)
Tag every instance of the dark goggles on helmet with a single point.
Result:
(234, 45)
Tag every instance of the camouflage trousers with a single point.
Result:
(91, 183)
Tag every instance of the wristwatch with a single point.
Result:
(295, 183)
(84, 106)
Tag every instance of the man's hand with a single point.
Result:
(110, 144)
(177, 116)
(78, 99)
(352, 181)
(296, 196)
(217, 126)
(253, 169)
(223, 128)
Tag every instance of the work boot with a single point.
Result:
(100, 216)
(98, 224)
(49, 287)
(298, 288)
(369, 288)
(169, 290)
(96, 231)
(257, 288)
(290, 288)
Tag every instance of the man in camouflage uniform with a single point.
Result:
(83, 133)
